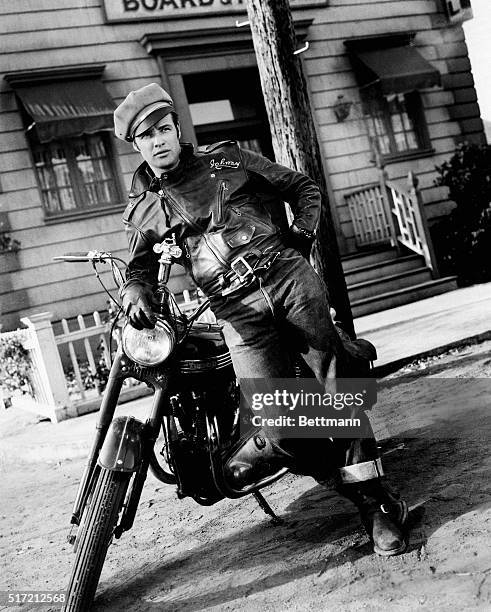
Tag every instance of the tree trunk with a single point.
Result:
(293, 132)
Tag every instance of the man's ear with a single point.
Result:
(178, 126)
(135, 146)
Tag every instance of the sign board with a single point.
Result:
(142, 10)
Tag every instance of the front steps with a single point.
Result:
(378, 280)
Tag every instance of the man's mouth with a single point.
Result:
(161, 153)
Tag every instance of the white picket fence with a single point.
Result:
(83, 348)
(83, 335)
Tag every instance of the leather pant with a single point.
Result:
(287, 309)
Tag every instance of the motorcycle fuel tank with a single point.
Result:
(203, 350)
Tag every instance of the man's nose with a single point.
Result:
(159, 139)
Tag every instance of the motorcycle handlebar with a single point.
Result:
(84, 256)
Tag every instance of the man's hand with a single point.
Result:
(136, 306)
(301, 240)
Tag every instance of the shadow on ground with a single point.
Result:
(439, 473)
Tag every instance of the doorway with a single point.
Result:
(228, 105)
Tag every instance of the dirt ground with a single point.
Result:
(432, 421)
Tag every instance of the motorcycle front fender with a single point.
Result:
(122, 450)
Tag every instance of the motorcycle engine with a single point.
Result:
(203, 391)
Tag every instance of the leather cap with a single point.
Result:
(140, 110)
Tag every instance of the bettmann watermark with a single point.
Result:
(300, 408)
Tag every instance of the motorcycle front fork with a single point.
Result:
(106, 415)
(152, 430)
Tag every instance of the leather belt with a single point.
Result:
(244, 271)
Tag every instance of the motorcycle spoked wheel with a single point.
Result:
(96, 534)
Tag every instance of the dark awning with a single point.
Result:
(396, 69)
(66, 108)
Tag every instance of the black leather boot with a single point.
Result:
(382, 513)
(256, 456)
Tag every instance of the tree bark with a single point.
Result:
(293, 132)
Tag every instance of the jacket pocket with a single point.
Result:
(242, 236)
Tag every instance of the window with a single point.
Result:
(395, 123)
(391, 72)
(76, 174)
(68, 114)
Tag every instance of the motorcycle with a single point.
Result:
(208, 453)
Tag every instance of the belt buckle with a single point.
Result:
(242, 276)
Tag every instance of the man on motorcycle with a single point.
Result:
(221, 204)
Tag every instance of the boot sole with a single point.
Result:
(391, 553)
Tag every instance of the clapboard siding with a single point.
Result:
(76, 54)
(46, 296)
(33, 255)
(77, 229)
(464, 111)
(14, 179)
(373, 11)
(440, 130)
(13, 120)
(16, 160)
(434, 99)
(56, 272)
(12, 141)
(63, 307)
(465, 95)
(49, 291)
(336, 51)
(451, 50)
(58, 33)
(64, 18)
(23, 7)
(371, 26)
(21, 199)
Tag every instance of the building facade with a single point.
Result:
(390, 85)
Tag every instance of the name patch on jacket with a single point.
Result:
(223, 163)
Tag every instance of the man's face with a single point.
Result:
(159, 145)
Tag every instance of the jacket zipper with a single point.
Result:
(195, 226)
(221, 199)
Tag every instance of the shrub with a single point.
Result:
(15, 364)
(462, 239)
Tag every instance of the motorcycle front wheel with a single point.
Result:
(94, 537)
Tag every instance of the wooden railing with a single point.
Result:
(389, 212)
(412, 227)
(370, 215)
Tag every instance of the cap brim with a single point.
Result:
(151, 119)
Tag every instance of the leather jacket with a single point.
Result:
(220, 202)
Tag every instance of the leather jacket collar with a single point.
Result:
(145, 180)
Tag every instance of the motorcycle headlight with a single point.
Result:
(149, 347)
